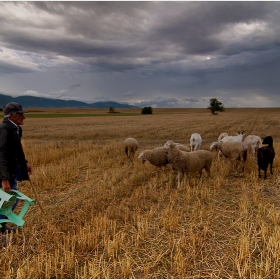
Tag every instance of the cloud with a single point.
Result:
(137, 51)
(55, 95)
(74, 86)
(162, 102)
(35, 93)
(191, 100)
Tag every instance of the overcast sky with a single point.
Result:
(159, 54)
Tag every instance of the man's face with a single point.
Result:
(17, 118)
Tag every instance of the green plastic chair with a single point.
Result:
(7, 200)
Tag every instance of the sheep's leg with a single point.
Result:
(126, 151)
(200, 173)
(242, 166)
(236, 167)
(130, 158)
(180, 175)
(207, 169)
(265, 173)
(271, 167)
(226, 159)
(157, 170)
(184, 177)
(260, 172)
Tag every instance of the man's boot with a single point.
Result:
(7, 229)
(3, 241)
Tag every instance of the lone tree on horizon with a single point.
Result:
(215, 105)
(112, 110)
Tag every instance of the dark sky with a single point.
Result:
(162, 54)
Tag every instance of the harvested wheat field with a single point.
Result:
(106, 218)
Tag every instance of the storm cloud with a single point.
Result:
(160, 54)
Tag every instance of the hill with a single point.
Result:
(39, 102)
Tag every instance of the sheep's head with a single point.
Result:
(241, 134)
(142, 157)
(268, 140)
(169, 144)
(255, 146)
(213, 146)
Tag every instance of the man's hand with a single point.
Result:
(29, 168)
(6, 186)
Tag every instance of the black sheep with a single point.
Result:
(266, 156)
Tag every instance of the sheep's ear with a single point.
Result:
(243, 132)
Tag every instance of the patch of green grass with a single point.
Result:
(75, 115)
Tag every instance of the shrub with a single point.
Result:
(147, 110)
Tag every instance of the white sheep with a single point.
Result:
(195, 141)
(236, 151)
(221, 136)
(185, 162)
(130, 147)
(253, 143)
(234, 138)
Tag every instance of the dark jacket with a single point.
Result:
(11, 153)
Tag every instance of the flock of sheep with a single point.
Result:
(184, 159)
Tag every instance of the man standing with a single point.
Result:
(13, 165)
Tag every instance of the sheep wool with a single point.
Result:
(221, 136)
(195, 141)
(130, 147)
(237, 151)
(253, 143)
(183, 147)
(185, 162)
(236, 138)
(157, 157)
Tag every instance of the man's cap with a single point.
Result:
(13, 107)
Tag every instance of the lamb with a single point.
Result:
(158, 156)
(184, 162)
(130, 147)
(195, 141)
(266, 156)
(253, 142)
(236, 151)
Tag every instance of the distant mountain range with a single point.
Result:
(39, 102)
